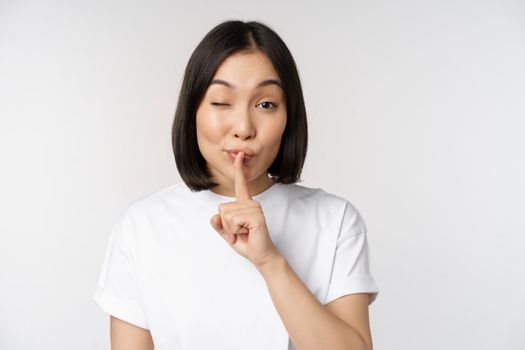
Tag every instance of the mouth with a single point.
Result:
(232, 154)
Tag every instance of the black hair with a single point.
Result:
(223, 40)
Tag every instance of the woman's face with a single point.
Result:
(243, 108)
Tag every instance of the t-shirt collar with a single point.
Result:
(212, 200)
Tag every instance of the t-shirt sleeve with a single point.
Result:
(117, 289)
(351, 265)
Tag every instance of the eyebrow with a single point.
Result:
(260, 85)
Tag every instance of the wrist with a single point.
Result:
(271, 263)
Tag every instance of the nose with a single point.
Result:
(243, 126)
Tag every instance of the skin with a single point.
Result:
(249, 120)
(341, 324)
(244, 122)
(242, 224)
(127, 336)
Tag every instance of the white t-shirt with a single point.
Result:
(167, 270)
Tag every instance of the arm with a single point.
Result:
(126, 336)
(342, 324)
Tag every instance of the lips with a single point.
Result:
(232, 153)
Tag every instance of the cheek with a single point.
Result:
(209, 127)
(274, 132)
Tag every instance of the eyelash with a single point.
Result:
(273, 103)
(226, 104)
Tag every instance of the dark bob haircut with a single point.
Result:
(225, 39)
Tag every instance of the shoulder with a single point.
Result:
(154, 202)
(316, 194)
(323, 200)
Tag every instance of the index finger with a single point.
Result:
(241, 187)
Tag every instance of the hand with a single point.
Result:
(242, 224)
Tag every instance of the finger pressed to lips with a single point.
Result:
(245, 159)
(228, 210)
(241, 187)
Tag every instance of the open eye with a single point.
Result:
(268, 105)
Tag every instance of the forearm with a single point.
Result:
(309, 324)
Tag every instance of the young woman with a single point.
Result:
(238, 255)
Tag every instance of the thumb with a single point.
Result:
(216, 223)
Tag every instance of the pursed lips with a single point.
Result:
(233, 154)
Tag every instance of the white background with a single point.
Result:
(416, 115)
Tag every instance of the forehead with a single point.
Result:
(246, 69)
